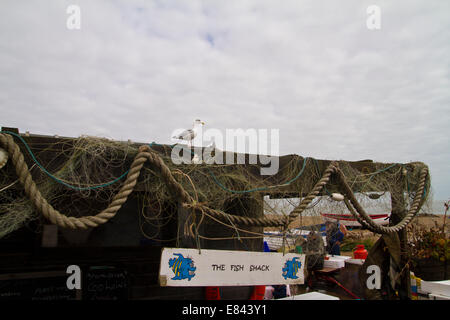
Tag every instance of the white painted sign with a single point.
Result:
(187, 267)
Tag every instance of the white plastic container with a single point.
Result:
(311, 296)
(335, 261)
(441, 288)
(438, 297)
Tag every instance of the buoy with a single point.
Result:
(3, 157)
(360, 252)
(337, 196)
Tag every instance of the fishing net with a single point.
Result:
(82, 175)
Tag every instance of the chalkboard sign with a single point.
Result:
(33, 287)
(105, 283)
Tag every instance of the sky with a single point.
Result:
(138, 70)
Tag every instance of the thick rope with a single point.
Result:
(146, 154)
(364, 218)
(275, 221)
(314, 192)
(54, 215)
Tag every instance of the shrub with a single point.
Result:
(426, 243)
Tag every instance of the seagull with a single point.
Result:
(190, 134)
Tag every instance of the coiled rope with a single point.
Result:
(365, 219)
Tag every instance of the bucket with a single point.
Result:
(360, 252)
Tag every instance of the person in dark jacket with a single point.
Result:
(336, 233)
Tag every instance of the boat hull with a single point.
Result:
(349, 221)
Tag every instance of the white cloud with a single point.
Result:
(139, 69)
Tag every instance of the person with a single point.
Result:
(315, 251)
(336, 233)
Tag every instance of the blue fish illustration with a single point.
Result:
(182, 267)
(291, 268)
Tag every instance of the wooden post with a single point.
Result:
(397, 214)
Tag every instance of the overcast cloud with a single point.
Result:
(140, 69)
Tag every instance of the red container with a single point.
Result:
(258, 293)
(212, 293)
(360, 252)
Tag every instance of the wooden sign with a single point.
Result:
(187, 267)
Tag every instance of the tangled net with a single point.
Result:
(86, 172)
